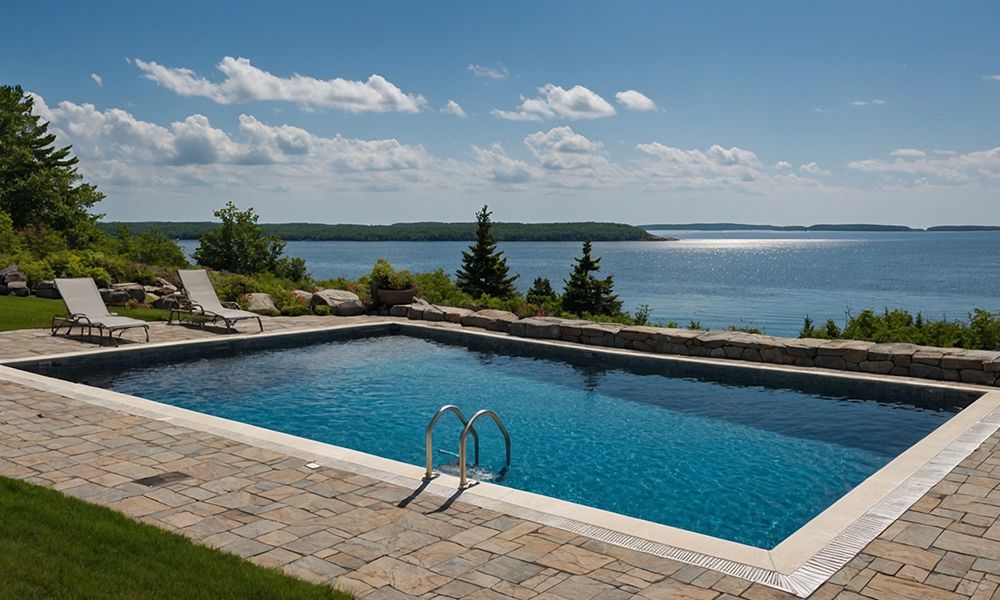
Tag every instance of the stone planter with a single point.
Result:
(393, 297)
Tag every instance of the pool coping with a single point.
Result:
(799, 564)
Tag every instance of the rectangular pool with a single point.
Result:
(744, 456)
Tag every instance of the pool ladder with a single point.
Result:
(468, 427)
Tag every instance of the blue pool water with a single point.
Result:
(747, 463)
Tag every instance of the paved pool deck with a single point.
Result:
(386, 541)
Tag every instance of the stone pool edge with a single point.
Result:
(800, 564)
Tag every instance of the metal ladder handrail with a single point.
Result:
(430, 433)
(463, 482)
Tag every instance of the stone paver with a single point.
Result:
(330, 526)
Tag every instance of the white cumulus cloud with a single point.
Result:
(244, 82)
(454, 108)
(97, 79)
(554, 102)
(633, 100)
(811, 168)
(498, 72)
(944, 166)
(875, 102)
(717, 166)
(117, 135)
(494, 163)
(562, 148)
(908, 153)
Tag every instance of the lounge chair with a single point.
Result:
(87, 311)
(203, 304)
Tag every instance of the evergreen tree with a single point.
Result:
(39, 183)
(484, 268)
(541, 292)
(585, 293)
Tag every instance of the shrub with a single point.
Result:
(641, 314)
(384, 277)
(298, 309)
(321, 310)
(231, 287)
(150, 247)
(437, 288)
(238, 245)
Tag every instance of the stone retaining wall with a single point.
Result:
(907, 360)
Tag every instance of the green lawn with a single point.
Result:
(33, 313)
(55, 547)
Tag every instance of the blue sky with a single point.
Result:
(779, 112)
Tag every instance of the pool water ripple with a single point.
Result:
(746, 463)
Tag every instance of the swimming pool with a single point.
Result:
(735, 457)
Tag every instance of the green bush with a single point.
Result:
(298, 309)
(437, 288)
(981, 331)
(231, 287)
(149, 248)
(321, 310)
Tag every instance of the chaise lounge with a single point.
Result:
(203, 303)
(88, 311)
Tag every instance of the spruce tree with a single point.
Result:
(39, 183)
(585, 293)
(484, 268)
(541, 292)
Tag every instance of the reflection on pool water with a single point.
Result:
(742, 462)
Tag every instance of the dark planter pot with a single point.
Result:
(393, 297)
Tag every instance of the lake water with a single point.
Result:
(769, 280)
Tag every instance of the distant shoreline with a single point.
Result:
(818, 227)
(410, 232)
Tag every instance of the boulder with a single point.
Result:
(261, 303)
(115, 297)
(454, 314)
(135, 291)
(341, 302)
(400, 310)
(852, 351)
(494, 320)
(423, 312)
(14, 288)
(47, 289)
(11, 274)
(169, 301)
(302, 296)
(546, 328)
(166, 285)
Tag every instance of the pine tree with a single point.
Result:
(585, 293)
(541, 292)
(484, 268)
(39, 183)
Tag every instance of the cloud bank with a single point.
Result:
(243, 83)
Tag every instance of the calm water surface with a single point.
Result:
(769, 280)
(747, 463)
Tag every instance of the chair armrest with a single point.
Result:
(231, 305)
